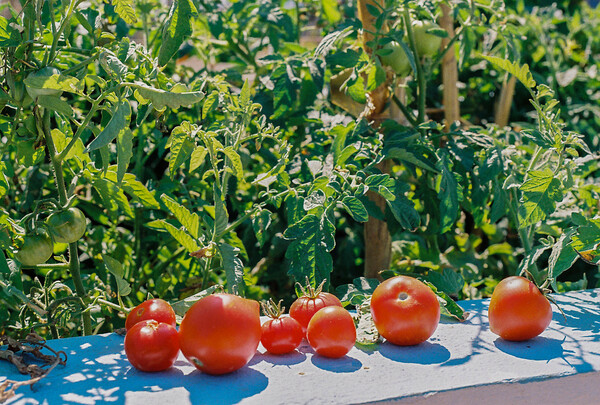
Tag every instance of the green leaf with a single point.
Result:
(8, 35)
(118, 124)
(234, 269)
(54, 82)
(366, 331)
(115, 268)
(419, 160)
(198, 157)
(447, 189)
(112, 64)
(541, 192)
(587, 236)
(312, 240)
(179, 234)
(112, 196)
(54, 103)
(404, 210)
(172, 99)
(124, 153)
(221, 216)
(448, 306)
(125, 10)
(355, 208)
(446, 280)
(356, 293)
(181, 307)
(260, 223)
(522, 73)
(499, 204)
(177, 29)
(191, 221)
(236, 162)
(330, 41)
(182, 146)
(562, 257)
(139, 192)
(330, 9)
(210, 103)
(382, 184)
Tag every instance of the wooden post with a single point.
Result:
(506, 97)
(378, 242)
(449, 71)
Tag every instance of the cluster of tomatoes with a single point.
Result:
(221, 332)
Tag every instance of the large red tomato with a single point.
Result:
(518, 310)
(310, 302)
(157, 309)
(405, 311)
(220, 333)
(152, 345)
(331, 332)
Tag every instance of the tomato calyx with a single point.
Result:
(308, 290)
(544, 290)
(271, 309)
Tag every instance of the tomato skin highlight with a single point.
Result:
(152, 346)
(220, 333)
(518, 310)
(157, 309)
(305, 307)
(331, 332)
(281, 335)
(67, 226)
(405, 311)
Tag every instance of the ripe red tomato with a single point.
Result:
(157, 309)
(405, 311)
(331, 332)
(281, 335)
(310, 302)
(220, 333)
(518, 309)
(152, 345)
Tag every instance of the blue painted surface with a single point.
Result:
(457, 356)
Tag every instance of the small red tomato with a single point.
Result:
(157, 309)
(220, 333)
(310, 302)
(405, 311)
(331, 332)
(518, 309)
(280, 334)
(152, 345)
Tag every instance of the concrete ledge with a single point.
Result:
(460, 363)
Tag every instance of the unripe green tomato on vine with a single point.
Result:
(35, 92)
(396, 59)
(427, 44)
(37, 248)
(67, 226)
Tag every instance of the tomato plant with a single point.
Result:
(280, 334)
(39, 77)
(518, 309)
(331, 332)
(67, 226)
(37, 248)
(405, 310)
(156, 308)
(220, 333)
(151, 345)
(427, 44)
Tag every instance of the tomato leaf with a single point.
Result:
(115, 268)
(355, 208)
(179, 234)
(124, 153)
(181, 307)
(522, 73)
(260, 223)
(447, 304)
(118, 124)
(562, 257)
(176, 97)
(191, 221)
(403, 209)
(182, 146)
(541, 192)
(125, 10)
(447, 189)
(234, 269)
(177, 29)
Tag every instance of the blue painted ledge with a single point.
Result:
(460, 363)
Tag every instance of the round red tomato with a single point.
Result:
(220, 333)
(518, 309)
(310, 302)
(405, 311)
(157, 309)
(331, 332)
(281, 335)
(152, 345)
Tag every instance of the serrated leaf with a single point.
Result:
(499, 204)
(124, 153)
(260, 223)
(9, 37)
(112, 65)
(210, 103)
(191, 221)
(447, 189)
(355, 208)
(177, 29)
(139, 192)
(198, 157)
(112, 196)
(312, 240)
(382, 184)
(404, 211)
(330, 41)
(234, 268)
(448, 306)
(522, 73)
(163, 98)
(236, 162)
(180, 236)
(182, 146)
(562, 257)
(115, 268)
(118, 124)
(125, 10)
(180, 307)
(541, 192)
(587, 236)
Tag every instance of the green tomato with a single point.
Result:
(37, 248)
(396, 59)
(427, 44)
(67, 226)
(34, 81)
